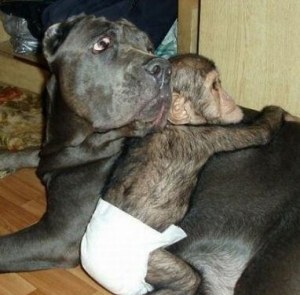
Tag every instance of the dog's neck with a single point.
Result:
(71, 140)
(96, 147)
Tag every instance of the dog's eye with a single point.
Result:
(150, 50)
(101, 45)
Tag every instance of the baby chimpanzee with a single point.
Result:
(153, 184)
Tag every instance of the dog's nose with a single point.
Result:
(159, 68)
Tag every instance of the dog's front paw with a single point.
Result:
(270, 121)
(290, 118)
(273, 117)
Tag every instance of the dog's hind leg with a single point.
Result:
(275, 268)
(169, 274)
(21, 159)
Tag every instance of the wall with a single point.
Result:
(188, 24)
(256, 44)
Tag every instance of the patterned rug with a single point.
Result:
(21, 119)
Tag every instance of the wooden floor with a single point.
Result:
(22, 202)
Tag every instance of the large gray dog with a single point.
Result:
(118, 90)
(244, 220)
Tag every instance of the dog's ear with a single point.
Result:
(63, 127)
(56, 34)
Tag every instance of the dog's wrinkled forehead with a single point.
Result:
(128, 33)
(91, 29)
(124, 32)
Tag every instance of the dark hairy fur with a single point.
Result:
(85, 130)
(243, 221)
(154, 180)
(243, 225)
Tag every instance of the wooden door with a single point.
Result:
(256, 44)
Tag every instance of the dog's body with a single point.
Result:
(245, 220)
(88, 117)
(246, 203)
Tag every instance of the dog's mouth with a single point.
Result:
(151, 114)
(160, 116)
(156, 111)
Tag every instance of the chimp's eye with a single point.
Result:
(215, 85)
(102, 44)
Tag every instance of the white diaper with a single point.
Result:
(116, 246)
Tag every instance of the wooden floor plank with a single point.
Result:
(58, 281)
(29, 177)
(14, 217)
(78, 272)
(13, 284)
(35, 207)
(22, 202)
(37, 292)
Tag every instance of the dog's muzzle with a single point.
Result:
(160, 69)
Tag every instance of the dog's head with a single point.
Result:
(106, 74)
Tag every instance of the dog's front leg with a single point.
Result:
(169, 274)
(55, 240)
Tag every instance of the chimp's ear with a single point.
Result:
(56, 34)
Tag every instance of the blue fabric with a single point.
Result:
(168, 47)
(155, 17)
